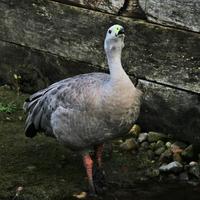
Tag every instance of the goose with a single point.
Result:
(85, 111)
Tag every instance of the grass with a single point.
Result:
(7, 108)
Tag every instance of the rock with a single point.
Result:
(142, 137)
(178, 147)
(172, 167)
(20, 118)
(168, 144)
(177, 157)
(81, 195)
(183, 176)
(181, 145)
(193, 163)
(129, 144)
(182, 14)
(159, 151)
(152, 146)
(159, 144)
(152, 173)
(150, 154)
(145, 145)
(155, 136)
(193, 183)
(187, 153)
(31, 167)
(135, 130)
(195, 171)
(166, 156)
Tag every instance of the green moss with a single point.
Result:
(7, 108)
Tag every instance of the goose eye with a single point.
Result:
(109, 31)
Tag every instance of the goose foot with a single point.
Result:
(99, 180)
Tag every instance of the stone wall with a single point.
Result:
(45, 41)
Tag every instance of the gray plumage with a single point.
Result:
(87, 109)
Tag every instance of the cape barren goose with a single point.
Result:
(84, 111)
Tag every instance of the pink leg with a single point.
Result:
(88, 163)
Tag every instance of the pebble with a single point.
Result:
(145, 145)
(31, 167)
(152, 173)
(187, 153)
(172, 167)
(193, 163)
(152, 146)
(175, 149)
(81, 195)
(177, 157)
(181, 145)
(20, 118)
(142, 137)
(159, 151)
(155, 136)
(195, 171)
(159, 144)
(168, 144)
(129, 144)
(135, 130)
(150, 154)
(166, 156)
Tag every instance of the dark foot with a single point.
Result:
(99, 180)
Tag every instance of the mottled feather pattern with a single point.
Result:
(82, 111)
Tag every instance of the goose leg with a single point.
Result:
(99, 152)
(88, 163)
(99, 174)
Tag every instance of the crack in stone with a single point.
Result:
(124, 7)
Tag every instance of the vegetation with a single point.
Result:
(7, 108)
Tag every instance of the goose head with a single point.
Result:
(114, 40)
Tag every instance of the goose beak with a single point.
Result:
(121, 32)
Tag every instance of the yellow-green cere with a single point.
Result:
(117, 28)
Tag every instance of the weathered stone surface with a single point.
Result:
(166, 109)
(178, 13)
(120, 7)
(37, 69)
(152, 52)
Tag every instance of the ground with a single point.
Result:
(46, 170)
